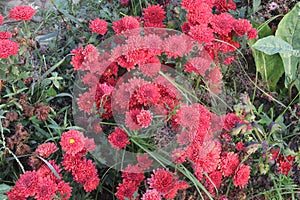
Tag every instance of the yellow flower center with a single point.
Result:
(72, 141)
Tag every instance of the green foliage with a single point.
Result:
(270, 67)
(286, 42)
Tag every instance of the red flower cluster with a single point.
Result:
(242, 176)
(285, 163)
(98, 26)
(41, 184)
(154, 16)
(76, 145)
(125, 24)
(166, 183)
(21, 13)
(118, 138)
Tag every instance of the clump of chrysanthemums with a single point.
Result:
(46, 180)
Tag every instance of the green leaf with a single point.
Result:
(3, 189)
(270, 67)
(51, 92)
(289, 31)
(271, 45)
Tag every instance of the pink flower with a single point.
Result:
(46, 149)
(242, 176)
(64, 190)
(144, 118)
(118, 138)
(21, 13)
(151, 195)
(46, 188)
(98, 26)
(125, 24)
(72, 142)
(240, 146)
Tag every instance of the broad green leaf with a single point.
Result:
(271, 45)
(270, 67)
(289, 31)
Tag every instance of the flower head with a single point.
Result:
(98, 26)
(8, 48)
(151, 195)
(242, 176)
(21, 13)
(126, 190)
(5, 35)
(46, 149)
(72, 142)
(118, 138)
(162, 180)
(125, 24)
(154, 16)
(229, 163)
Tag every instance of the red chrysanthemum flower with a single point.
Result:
(252, 34)
(72, 142)
(154, 14)
(202, 33)
(229, 60)
(202, 15)
(15, 194)
(214, 181)
(177, 45)
(26, 185)
(229, 163)
(240, 146)
(285, 167)
(162, 180)
(143, 161)
(126, 190)
(5, 35)
(144, 118)
(125, 24)
(230, 121)
(242, 176)
(78, 58)
(46, 188)
(46, 172)
(8, 48)
(71, 162)
(131, 119)
(86, 102)
(118, 138)
(21, 13)
(224, 5)
(178, 156)
(222, 24)
(198, 65)
(151, 195)
(151, 67)
(98, 26)
(188, 116)
(133, 173)
(148, 94)
(64, 190)
(241, 26)
(85, 171)
(179, 185)
(90, 79)
(1, 19)
(46, 149)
